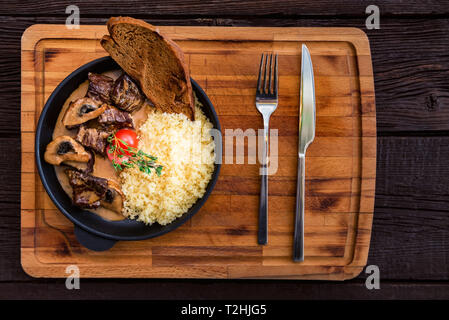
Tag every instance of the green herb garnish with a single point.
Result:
(130, 157)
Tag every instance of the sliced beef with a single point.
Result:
(86, 199)
(93, 138)
(126, 95)
(114, 118)
(88, 191)
(78, 179)
(100, 87)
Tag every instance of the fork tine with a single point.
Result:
(275, 82)
(265, 76)
(269, 77)
(260, 74)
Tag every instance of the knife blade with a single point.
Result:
(307, 102)
(307, 119)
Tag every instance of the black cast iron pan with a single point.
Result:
(91, 230)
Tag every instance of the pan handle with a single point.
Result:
(93, 242)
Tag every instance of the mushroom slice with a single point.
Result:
(81, 166)
(65, 148)
(86, 167)
(82, 110)
(114, 197)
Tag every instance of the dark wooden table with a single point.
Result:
(410, 239)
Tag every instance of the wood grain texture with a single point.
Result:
(231, 289)
(225, 7)
(220, 241)
(405, 124)
(223, 245)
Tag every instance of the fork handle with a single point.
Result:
(262, 236)
(263, 210)
(298, 243)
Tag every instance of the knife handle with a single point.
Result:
(298, 242)
(262, 235)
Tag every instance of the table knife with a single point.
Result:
(307, 121)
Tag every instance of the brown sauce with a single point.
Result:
(102, 167)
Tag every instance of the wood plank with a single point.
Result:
(226, 8)
(225, 290)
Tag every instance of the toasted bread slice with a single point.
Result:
(154, 61)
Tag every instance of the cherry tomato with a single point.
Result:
(117, 158)
(129, 137)
(124, 139)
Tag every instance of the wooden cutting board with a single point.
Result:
(221, 239)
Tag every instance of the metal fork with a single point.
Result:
(266, 103)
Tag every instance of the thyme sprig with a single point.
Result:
(135, 158)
